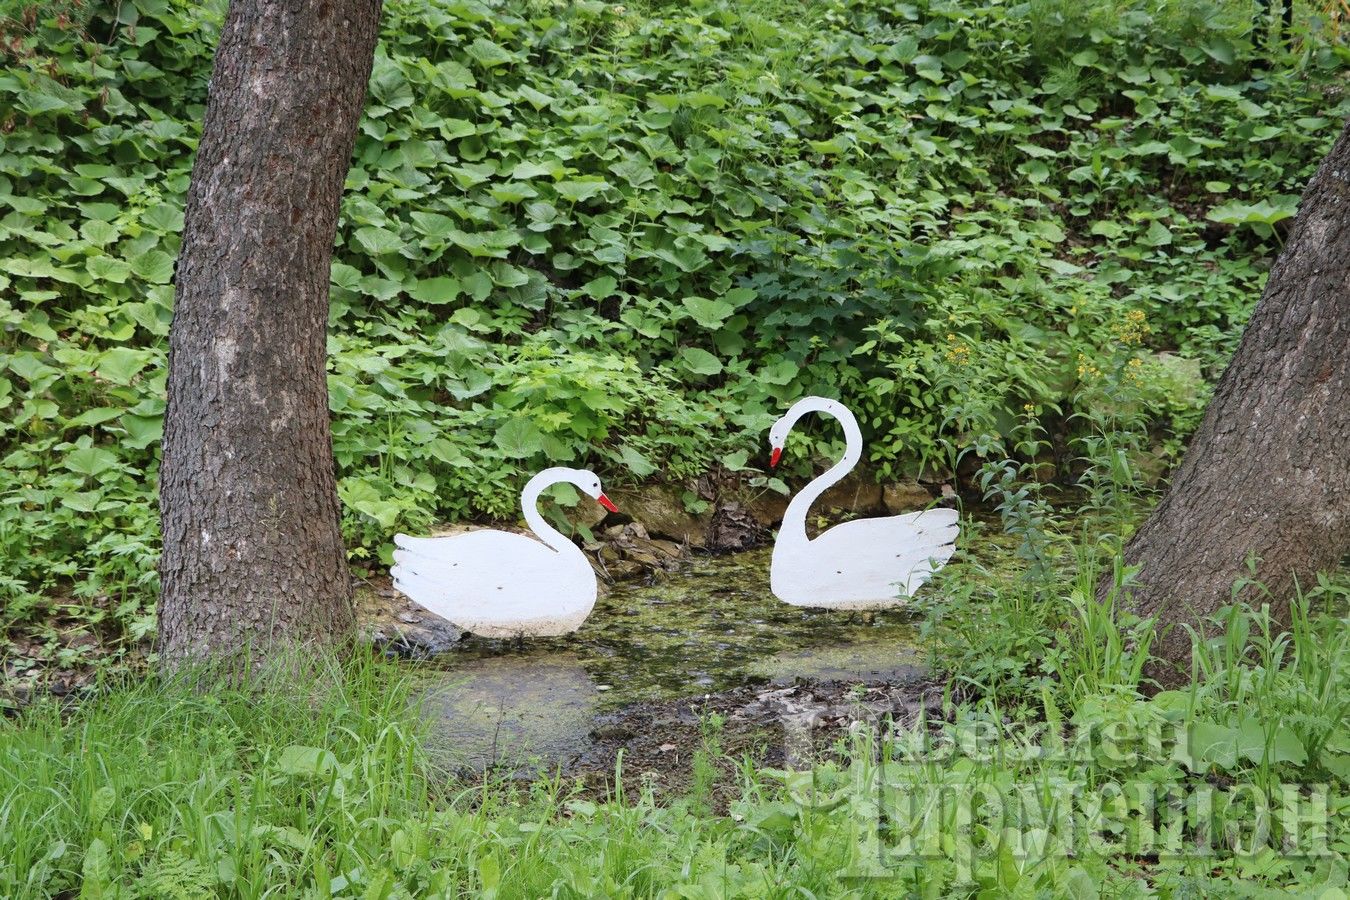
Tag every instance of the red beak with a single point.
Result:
(776, 455)
(607, 503)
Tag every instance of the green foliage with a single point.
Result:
(626, 238)
(1265, 696)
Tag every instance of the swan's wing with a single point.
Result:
(450, 575)
(925, 520)
(926, 540)
(912, 533)
(896, 550)
(451, 557)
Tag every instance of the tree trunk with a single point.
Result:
(253, 556)
(1268, 473)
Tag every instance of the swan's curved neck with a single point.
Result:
(529, 505)
(794, 518)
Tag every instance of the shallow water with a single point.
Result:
(708, 626)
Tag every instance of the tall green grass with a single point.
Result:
(325, 788)
(158, 782)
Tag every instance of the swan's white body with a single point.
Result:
(500, 584)
(865, 564)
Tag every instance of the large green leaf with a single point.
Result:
(121, 364)
(708, 313)
(699, 361)
(91, 461)
(519, 438)
(155, 266)
(436, 290)
(378, 241)
(1262, 212)
(105, 268)
(638, 464)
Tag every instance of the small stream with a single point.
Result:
(709, 626)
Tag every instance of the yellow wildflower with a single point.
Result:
(958, 353)
(1133, 328)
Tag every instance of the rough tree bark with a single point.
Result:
(1268, 473)
(253, 555)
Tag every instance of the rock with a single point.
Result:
(670, 549)
(905, 496)
(734, 528)
(660, 508)
(398, 627)
(766, 507)
(611, 564)
(626, 531)
(587, 514)
(858, 493)
(643, 558)
(608, 730)
(630, 552)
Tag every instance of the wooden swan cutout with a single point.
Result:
(500, 584)
(863, 564)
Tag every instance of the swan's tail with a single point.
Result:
(418, 545)
(423, 568)
(932, 541)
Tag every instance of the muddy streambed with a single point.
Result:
(652, 663)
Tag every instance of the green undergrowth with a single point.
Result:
(627, 237)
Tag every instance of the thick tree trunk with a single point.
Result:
(1268, 473)
(253, 555)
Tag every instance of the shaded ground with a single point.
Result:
(661, 744)
(780, 726)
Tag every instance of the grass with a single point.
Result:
(160, 788)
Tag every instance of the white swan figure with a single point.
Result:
(500, 584)
(863, 564)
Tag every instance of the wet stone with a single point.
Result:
(661, 510)
(396, 626)
(905, 496)
(734, 528)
